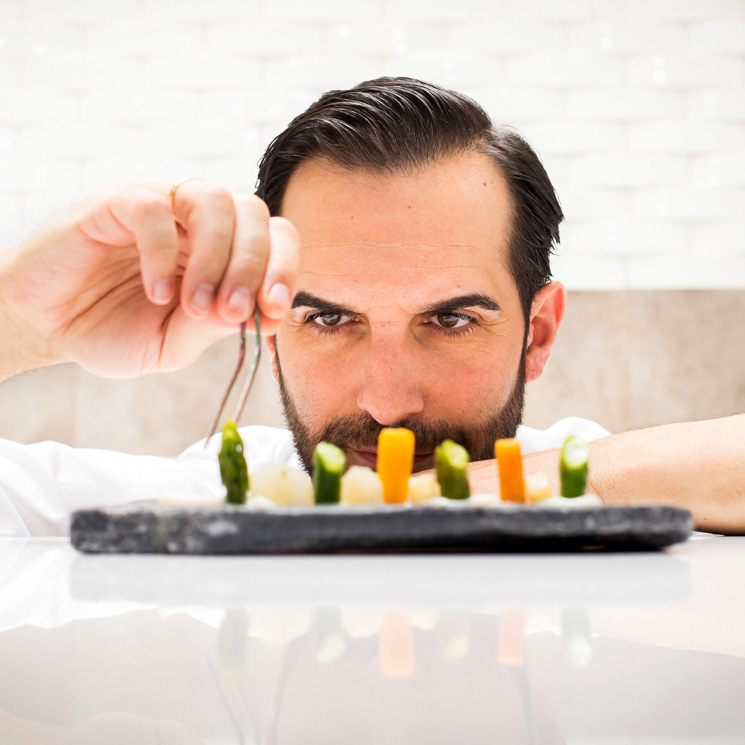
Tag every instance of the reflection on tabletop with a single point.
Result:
(538, 648)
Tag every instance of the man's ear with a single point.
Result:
(271, 345)
(545, 318)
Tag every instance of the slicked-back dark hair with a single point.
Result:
(391, 125)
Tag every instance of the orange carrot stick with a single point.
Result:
(511, 486)
(395, 463)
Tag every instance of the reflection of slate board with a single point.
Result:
(146, 527)
(464, 580)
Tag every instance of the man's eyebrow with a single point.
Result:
(462, 301)
(307, 300)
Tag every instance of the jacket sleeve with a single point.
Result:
(42, 484)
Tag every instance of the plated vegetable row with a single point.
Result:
(393, 482)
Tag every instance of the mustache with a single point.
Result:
(361, 433)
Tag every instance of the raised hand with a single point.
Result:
(125, 283)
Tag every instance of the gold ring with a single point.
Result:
(172, 194)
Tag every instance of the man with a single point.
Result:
(421, 297)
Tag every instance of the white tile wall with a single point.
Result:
(78, 13)
(718, 170)
(622, 169)
(29, 105)
(623, 104)
(719, 37)
(686, 137)
(625, 36)
(625, 237)
(718, 238)
(723, 104)
(508, 37)
(683, 71)
(684, 10)
(637, 107)
(567, 10)
(196, 11)
(566, 69)
(440, 11)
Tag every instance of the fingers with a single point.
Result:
(145, 214)
(239, 256)
(280, 278)
(208, 213)
(231, 252)
(248, 259)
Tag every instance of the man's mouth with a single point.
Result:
(369, 458)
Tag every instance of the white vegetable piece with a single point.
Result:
(537, 487)
(257, 502)
(485, 500)
(172, 499)
(284, 485)
(422, 487)
(453, 504)
(586, 500)
(361, 485)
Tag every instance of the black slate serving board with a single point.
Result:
(148, 527)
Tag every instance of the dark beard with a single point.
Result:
(361, 432)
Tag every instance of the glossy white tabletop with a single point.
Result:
(553, 648)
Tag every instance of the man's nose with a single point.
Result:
(391, 387)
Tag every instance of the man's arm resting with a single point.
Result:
(696, 465)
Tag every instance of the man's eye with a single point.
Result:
(451, 320)
(329, 320)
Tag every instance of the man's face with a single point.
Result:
(405, 314)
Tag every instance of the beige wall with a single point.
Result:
(625, 359)
(633, 359)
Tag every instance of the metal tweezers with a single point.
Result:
(249, 380)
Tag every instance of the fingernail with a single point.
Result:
(279, 294)
(202, 299)
(163, 291)
(240, 302)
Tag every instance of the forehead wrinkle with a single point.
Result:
(358, 244)
(397, 268)
(392, 255)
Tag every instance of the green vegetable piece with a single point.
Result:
(451, 462)
(328, 468)
(233, 468)
(573, 466)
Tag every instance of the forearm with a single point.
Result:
(696, 465)
(21, 346)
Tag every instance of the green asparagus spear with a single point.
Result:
(573, 466)
(328, 468)
(233, 469)
(451, 461)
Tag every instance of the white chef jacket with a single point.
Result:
(42, 484)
